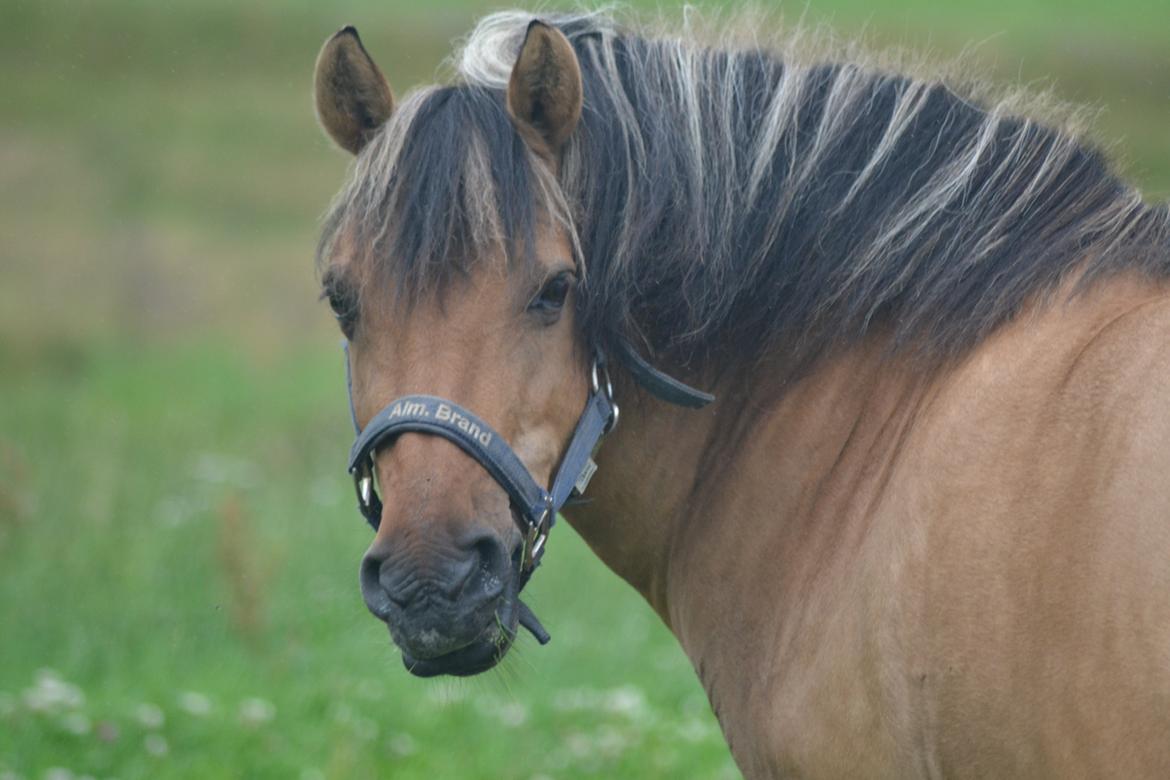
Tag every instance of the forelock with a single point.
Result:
(445, 183)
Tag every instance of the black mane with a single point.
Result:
(729, 204)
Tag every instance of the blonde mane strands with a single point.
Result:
(754, 193)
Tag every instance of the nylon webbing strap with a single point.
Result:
(660, 384)
(440, 417)
(577, 466)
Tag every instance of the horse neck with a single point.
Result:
(770, 530)
(681, 491)
(777, 468)
(646, 469)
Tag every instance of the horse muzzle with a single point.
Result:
(451, 610)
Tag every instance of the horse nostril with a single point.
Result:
(472, 570)
(369, 576)
(488, 551)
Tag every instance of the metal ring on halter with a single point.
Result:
(595, 381)
(366, 486)
(369, 502)
(599, 367)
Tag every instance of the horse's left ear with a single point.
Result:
(544, 92)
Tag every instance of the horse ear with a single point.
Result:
(544, 92)
(352, 96)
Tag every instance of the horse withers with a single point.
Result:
(924, 527)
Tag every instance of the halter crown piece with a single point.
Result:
(535, 508)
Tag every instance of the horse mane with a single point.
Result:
(729, 201)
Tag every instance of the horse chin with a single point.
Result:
(479, 655)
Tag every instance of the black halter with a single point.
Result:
(535, 508)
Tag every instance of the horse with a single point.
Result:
(891, 361)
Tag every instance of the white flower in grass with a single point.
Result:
(58, 773)
(256, 711)
(365, 729)
(156, 745)
(694, 730)
(51, 693)
(76, 723)
(35, 700)
(403, 744)
(626, 700)
(507, 713)
(194, 703)
(513, 714)
(149, 715)
(575, 699)
(578, 744)
(610, 742)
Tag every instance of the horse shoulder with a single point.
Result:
(1043, 510)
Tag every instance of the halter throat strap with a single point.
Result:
(659, 383)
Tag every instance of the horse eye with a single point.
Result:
(551, 298)
(343, 302)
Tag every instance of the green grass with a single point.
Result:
(174, 516)
(176, 521)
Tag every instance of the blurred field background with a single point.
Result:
(178, 543)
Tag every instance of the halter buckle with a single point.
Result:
(538, 536)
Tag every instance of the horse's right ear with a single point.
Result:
(352, 96)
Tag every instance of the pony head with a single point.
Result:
(450, 263)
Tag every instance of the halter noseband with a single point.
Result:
(534, 507)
